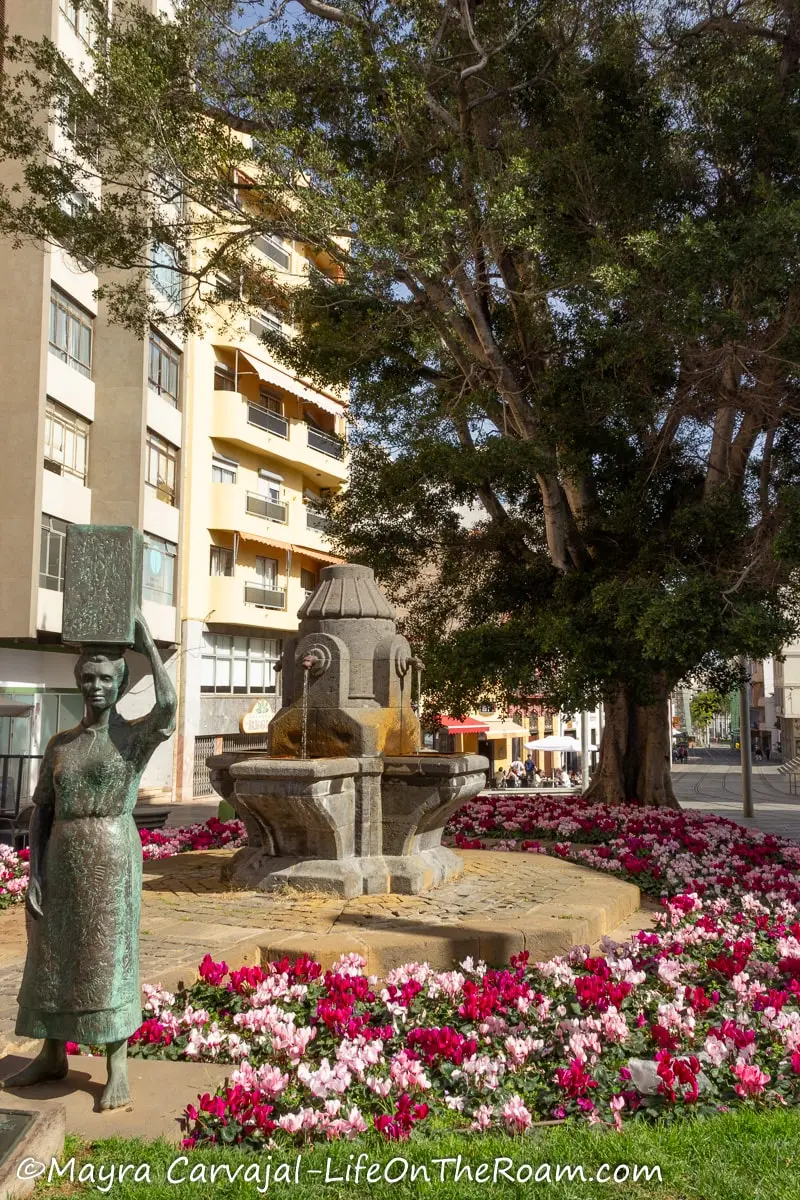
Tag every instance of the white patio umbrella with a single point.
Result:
(561, 745)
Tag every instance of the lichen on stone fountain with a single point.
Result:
(346, 801)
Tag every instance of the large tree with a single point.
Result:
(554, 252)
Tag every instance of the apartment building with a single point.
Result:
(205, 445)
(263, 447)
(94, 423)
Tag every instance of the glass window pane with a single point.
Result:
(223, 679)
(240, 672)
(257, 674)
(206, 672)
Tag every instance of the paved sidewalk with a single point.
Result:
(712, 782)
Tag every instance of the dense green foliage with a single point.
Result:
(705, 706)
(553, 249)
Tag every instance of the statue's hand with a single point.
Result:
(33, 901)
(143, 638)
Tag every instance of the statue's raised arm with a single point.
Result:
(162, 714)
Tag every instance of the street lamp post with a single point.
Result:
(745, 748)
(584, 750)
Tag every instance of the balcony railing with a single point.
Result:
(262, 418)
(326, 443)
(259, 506)
(317, 521)
(264, 596)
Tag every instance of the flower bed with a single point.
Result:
(662, 850)
(699, 1016)
(213, 835)
(13, 875)
(702, 1015)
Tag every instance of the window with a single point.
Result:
(52, 553)
(161, 465)
(267, 319)
(270, 402)
(308, 580)
(76, 13)
(224, 378)
(486, 707)
(80, 122)
(238, 664)
(223, 470)
(269, 486)
(163, 371)
(267, 571)
(228, 287)
(274, 248)
(158, 570)
(165, 275)
(66, 441)
(70, 332)
(221, 561)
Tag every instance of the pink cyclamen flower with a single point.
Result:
(752, 1080)
(516, 1115)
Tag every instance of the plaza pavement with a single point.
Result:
(712, 782)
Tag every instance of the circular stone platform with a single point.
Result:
(505, 902)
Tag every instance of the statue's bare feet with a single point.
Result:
(50, 1063)
(116, 1093)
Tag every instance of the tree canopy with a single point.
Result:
(705, 706)
(553, 251)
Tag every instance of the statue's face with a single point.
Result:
(100, 684)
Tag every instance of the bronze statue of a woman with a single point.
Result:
(81, 979)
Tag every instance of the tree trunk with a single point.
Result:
(635, 755)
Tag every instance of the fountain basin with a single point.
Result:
(354, 826)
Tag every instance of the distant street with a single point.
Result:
(712, 782)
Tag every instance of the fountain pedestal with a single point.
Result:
(345, 802)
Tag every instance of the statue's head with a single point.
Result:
(102, 676)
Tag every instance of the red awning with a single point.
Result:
(467, 725)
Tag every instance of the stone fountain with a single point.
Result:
(346, 801)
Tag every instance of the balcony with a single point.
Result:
(271, 422)
(264, 595)
(326, 443)
(260, 506)
(316, 520)
(287, 441)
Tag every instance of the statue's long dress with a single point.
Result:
(81, 979)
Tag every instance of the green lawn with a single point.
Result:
(738, 1156)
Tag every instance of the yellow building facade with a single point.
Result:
(263, 446)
